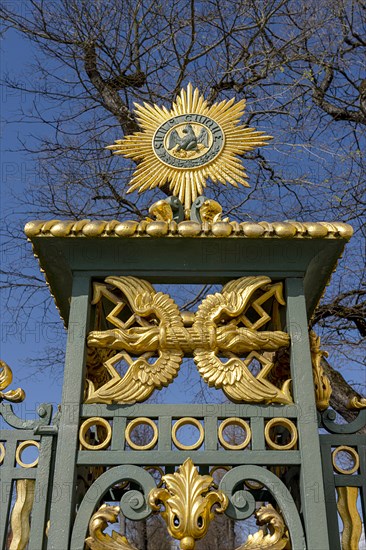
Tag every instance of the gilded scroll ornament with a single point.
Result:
(185, 146)
(357, 403)
(6, 377)
(162, 211)
(227, 324)
(20, 516)
(188, 500)
(98, 540)
(350, 516)
(273, 534)
(322, 385)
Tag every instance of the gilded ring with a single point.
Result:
(21, 447)
(234, 422)
(219, 467)
(184, 422)
(2, 452)
(137, 422)
(350, 451)
(253, 485)
(285, 423)
(95, 421)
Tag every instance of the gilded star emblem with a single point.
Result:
(189, 144)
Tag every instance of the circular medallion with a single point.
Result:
(188, 141)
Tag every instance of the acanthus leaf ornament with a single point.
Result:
(188, 499)
(98, 540)
(188, 144)
(277, 537)
(322, 386)
(222, 327)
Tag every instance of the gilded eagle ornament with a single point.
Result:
(188, 144)
(221, 336)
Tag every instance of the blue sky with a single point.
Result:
(21, 339)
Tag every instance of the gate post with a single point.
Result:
(64, 489)
(311, 475)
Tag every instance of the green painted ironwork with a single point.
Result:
(306, 494)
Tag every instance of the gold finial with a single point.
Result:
(189, 144)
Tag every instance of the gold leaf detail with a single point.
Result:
(142, 376)
(352, 523)
(131, 228)
(357, 403)
(234, 376)
(188, 500)
(102, 541)
(6, 377)
(322, 385)
(20, 524)
(162, 211)
(273, 535)
(210, 211)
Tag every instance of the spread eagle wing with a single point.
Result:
(140, 380)
(234, 376)
(203, 137)
(160, 314)
(144, 300)
(231, 302)
(174, 139)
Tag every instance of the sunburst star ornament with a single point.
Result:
(189, 144)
